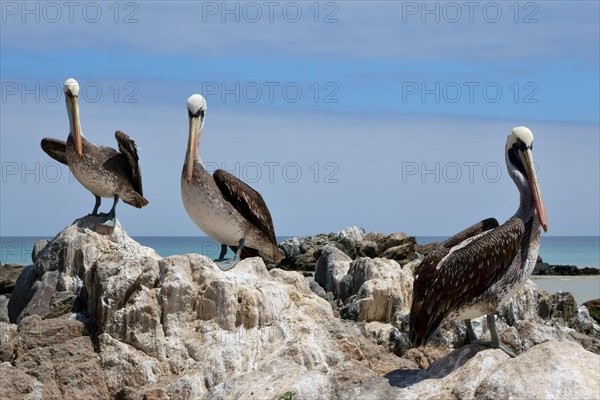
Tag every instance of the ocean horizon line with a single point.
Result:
(581, 251)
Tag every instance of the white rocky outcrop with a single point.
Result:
(100, 316)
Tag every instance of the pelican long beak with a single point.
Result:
(194, 131)
(75, 125)
(527, 160)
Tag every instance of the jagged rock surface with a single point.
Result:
(100, 316)
(302, 253)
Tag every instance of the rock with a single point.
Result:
(317, 289)
(38, 247)
(568, 372)
(302, 252)
(399, 253)
(524, 335)
(16, 384)
(392, 240)
(542, 268)
(584, 323)
(563, 306)
(474, 373)
(368, 248)
(54, 359)
(138, 326)
(291, 247)
(346, 288)
(8, 346)
(332, 266)
(426, 248)
(382, 289)
(24, 291)
(4, 309)
(522, 306)
(179, 325)
(350, 238)
(560, 305)
(351, 234)
(593, 307)
(589, 343)
(9, 273)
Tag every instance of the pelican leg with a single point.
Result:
(96, 206)
(226, 265)
(111, 217)
(238, 253)
(470, 332)
(495, 344)
(222, 254)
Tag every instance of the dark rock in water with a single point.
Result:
(593, 307)
(543, 268)
(9, 273)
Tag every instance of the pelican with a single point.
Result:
(102, 170)
(224, 207)
(481, 267)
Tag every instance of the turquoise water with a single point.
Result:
(17, 249)
(583, 251)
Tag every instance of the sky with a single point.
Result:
(391, 116)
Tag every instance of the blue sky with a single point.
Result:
(388, 115)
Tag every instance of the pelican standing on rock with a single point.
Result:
(224, 207)
(102, 170)
(480, 268)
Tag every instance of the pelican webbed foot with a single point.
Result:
(226, 265)
(222, 254)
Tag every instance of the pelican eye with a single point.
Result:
(514, 158)
(197, 114)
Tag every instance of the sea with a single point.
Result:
(582, 251)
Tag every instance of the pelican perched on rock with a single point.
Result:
(480, 268)
(224, 207)
(102, 170)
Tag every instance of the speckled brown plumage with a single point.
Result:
(473, 272)
(102, 170)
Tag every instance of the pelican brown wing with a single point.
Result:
(56, 149)
(471, 231)
(129, 158)
(247, 201)
(449, 278)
